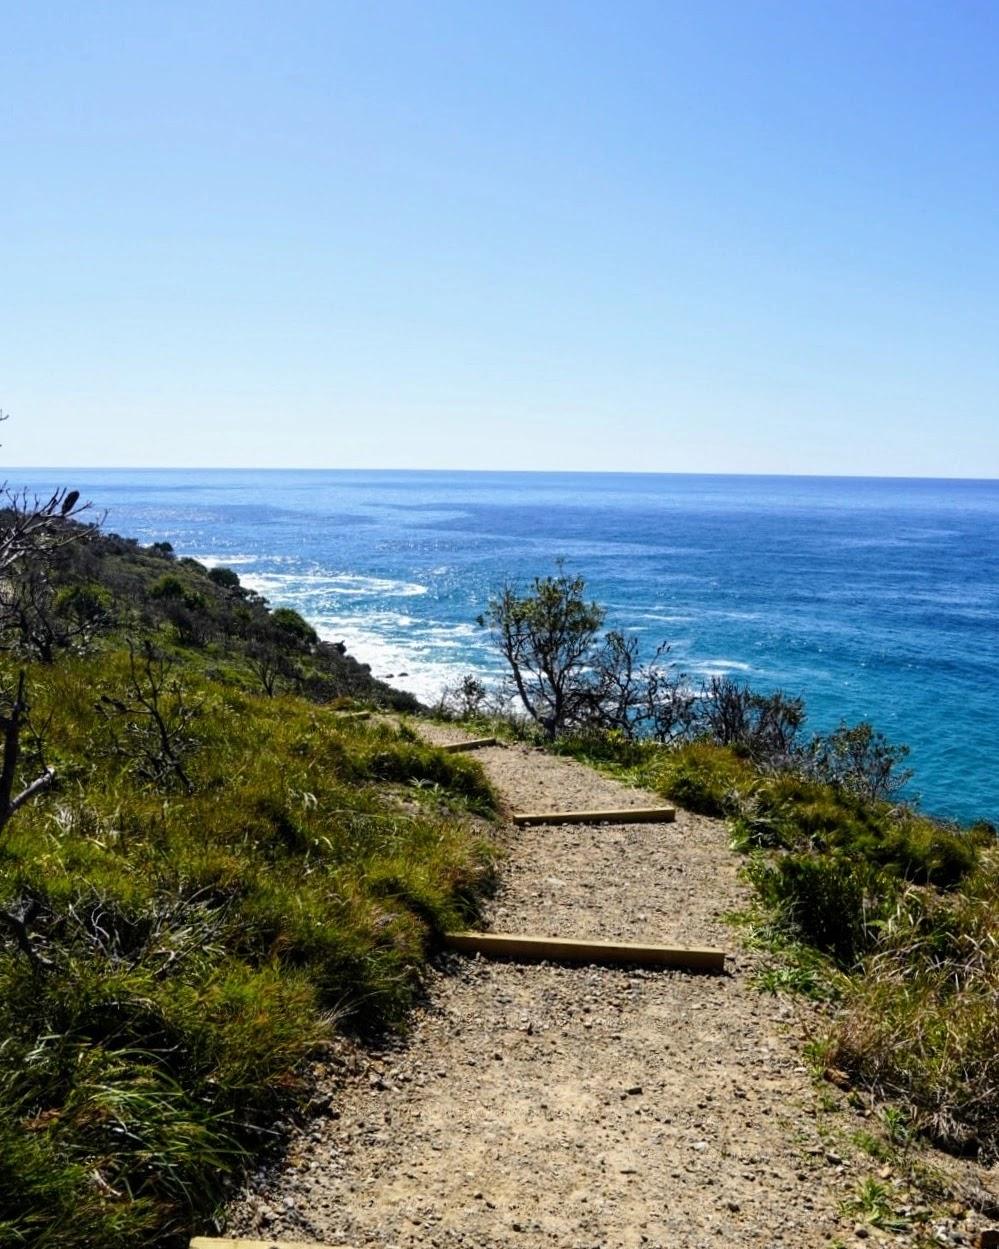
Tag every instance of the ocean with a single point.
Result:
(873, 598)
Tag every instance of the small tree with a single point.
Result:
(290, 626)
(669, 704)
(569, 675)
(549, 638)
(467, 700)
(39, 620)
(150, 726)
(270, 664)
(224, 577)
(860, 759)
(764, 726)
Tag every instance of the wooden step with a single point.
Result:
(611, 815)
(226, 1242)
(475, 743)
(579, 950)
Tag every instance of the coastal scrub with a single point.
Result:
(218, 878)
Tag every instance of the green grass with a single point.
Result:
(920, 1025)
(903, 909)
(874, 1203)
(712, 780)
(189, 948)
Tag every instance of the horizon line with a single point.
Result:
(548, 472)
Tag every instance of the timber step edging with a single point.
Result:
(581, 950)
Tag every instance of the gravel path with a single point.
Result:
(577, 1107)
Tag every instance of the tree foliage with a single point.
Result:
(571, 676)
(550, 639)
(574, 678)
(860, 759)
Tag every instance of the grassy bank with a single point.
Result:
(889, 914)
(220, 877)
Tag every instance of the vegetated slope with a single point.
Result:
(216, 882)
(889, 914)
(104, 582)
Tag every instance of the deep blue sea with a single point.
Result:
(875, 599)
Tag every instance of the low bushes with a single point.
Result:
(709, 779)
(907, 906)
(825, 901)
(920, 1020)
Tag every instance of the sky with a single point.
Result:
(746, 236)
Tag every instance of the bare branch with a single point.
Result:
(12, 727)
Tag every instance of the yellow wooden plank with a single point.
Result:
(476, 743)
(619, 815)
(229, 1243)
(578, 950)
(226, 1242)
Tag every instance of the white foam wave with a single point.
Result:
(329, 585)
(230, 561)
(662, 617)
(720, 667)
(414, 664)
(310, 580)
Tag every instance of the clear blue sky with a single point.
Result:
(745, 236)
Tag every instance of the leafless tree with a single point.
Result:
(269, 664)
(31, 529)
(150, 725)
(39, 620)
(15, 724)
(31, 526)
(669, 703)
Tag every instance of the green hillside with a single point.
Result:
(223, 872)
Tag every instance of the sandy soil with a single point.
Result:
(579, 1107)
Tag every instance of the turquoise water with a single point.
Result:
(873, 598)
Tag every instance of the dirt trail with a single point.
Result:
(576, 1106)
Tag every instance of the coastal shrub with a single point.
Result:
(827, 902)
(796, 812)
(290, 623)
(468, 699)
(703, 777)
(791, 810)
(920, 1023)
(763, 726)
(609, 747)
(861, 760)
(225, 577)
(927, 851)
(168, 586)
